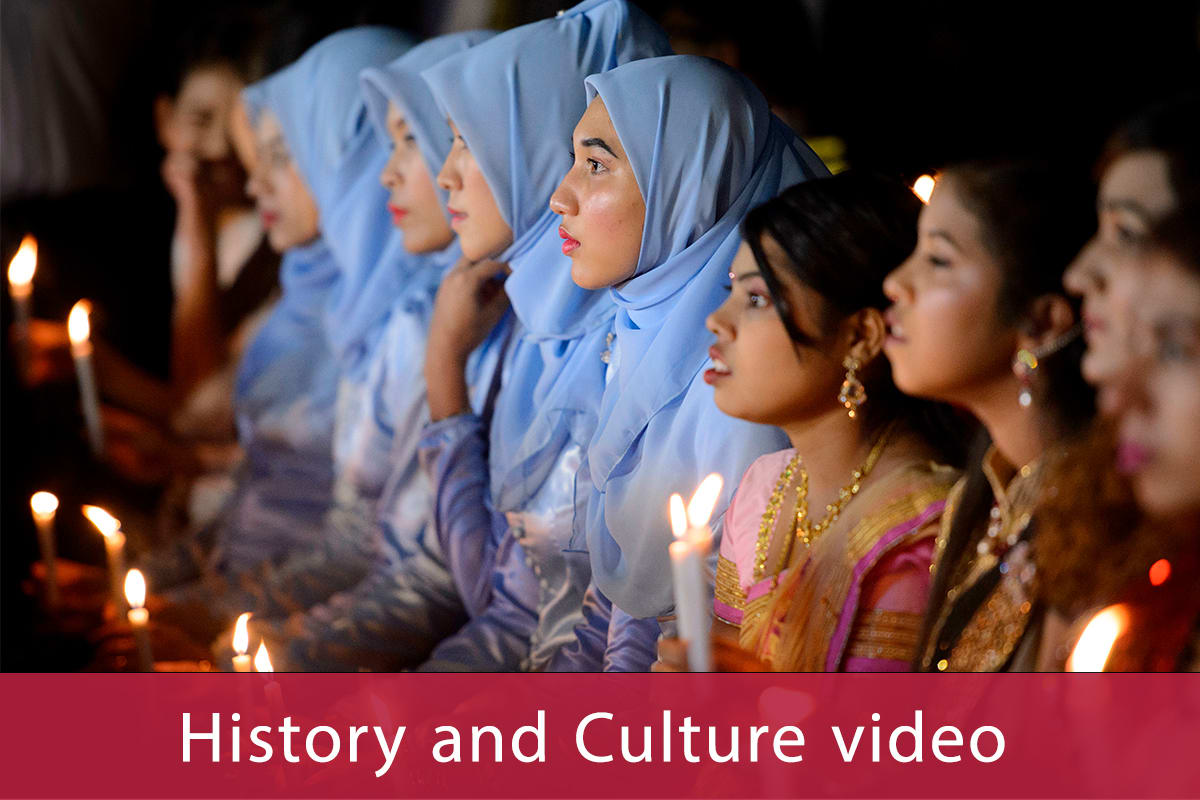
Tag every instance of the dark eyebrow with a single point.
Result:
(747, 276)
(940, 234)
(603, 145)
(1118, 204)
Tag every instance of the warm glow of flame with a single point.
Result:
(262, 661)
(679, 523)
(135, 588)
(43, 503)
(105, 522)
(241, 634)
(1159, 572)
(701, 506)
(24, 263)
(79, 328)
(1096, 642)
(923, 187)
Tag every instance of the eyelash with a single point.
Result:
(938, 262)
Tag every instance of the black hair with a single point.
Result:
(1034, 219)
(841, 236)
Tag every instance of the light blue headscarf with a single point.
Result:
(516, 100)
(287, 379)
(705, 149)
(324, 120)
(400, 83)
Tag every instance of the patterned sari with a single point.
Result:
(852, 600)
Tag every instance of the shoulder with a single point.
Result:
(746, 509)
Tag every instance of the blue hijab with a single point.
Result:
(287, 379)
(323, 116)
(705, 149)
(516, 100)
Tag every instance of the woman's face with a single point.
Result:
(945, 338)
(1159, 428)
(288, 210)
(601, 206)
(1135, 191)
(413, 201)
(758, 373)
(197, 121)
(474, 215)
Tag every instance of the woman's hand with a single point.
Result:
(470, 303)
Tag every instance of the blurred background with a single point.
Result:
(901, 87)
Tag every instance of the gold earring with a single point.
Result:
(1025, 364)
(853, 394)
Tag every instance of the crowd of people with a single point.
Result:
(532, 283)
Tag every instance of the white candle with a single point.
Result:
(45, 506)
(139, 618)
(20, 288)
(271, 690)
(114, 547)
(241, 643)
(79, 330)
(689, 553)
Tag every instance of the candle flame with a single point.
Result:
(24, 263)
(43, 504)
(923, 187)
(679, 521)
(105, 522)
(241, 634)
(135, 588)
(701, 506)
(1096, 642)
(79, 328)
(262, 660)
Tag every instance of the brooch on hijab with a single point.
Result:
(606, 356)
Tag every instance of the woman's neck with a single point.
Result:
(831, 445)
(1016, 430)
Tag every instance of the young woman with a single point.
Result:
(979, 319)
(512, 537)
(670, 156)
(827, 545)
(317, 178)
(408, 601)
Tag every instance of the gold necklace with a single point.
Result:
(808, 533)
(767, 525)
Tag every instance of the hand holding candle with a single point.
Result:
(114, 546)
(241, 643)
(689, 552)
(79, 330)
(44, 506)
(139, 618)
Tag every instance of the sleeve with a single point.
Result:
(586, 653)
(453, 456)
(729, 599)
(632, 643)
(498, 640)
(895, 595)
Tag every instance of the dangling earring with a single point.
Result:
(1025, 364)
(853, 394)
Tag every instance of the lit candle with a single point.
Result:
(241, 643)
(44, 506)
(1096, 642)
(139, 618)
(923, 188)
(79, 330)
(114, 546)
(20, 288)
(272, 692)
(689, 552)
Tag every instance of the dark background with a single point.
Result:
(903, 86)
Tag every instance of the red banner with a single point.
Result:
(1018, 736)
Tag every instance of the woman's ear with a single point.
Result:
(1050, 318)
(868, 332)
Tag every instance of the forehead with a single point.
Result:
(596, 123)
(946, 213)
(1141, 178)
(209, 85)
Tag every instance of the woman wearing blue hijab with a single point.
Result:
(670, 156)
(513, 102)
(311, 113)
(408, 601)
